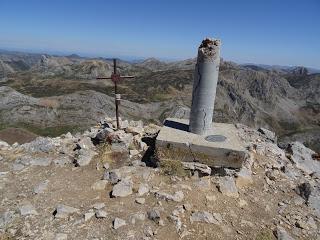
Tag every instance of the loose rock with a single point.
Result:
(302, 157)
(143, 189)
(98, 206)
(177, 197)
(41, 187)
(206, 217)
(101, 214)
(122, 189)
(63, 211)
(118, 222)
(282, 234)
(197, 166)
(227, 186)
(84, 157)
(140, 200)
(269, 134)
(113, 176)
(154, 215)
(88, 215)
(27, 209)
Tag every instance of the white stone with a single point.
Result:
(98, 206)
(140, 200)
(101, 214)
(143, 189)
(206, 217)
(27, 209)
(197, 166)
(85, 143)
(88, 215)
(84, 157)
(118, 222)
(134, 152)
(99, 185)
(4, 145)
(106, 166)
(63, 211)
(228, 187)
(203, 183)
(137, 216)
(6, 218)
(302, 157)
(41, 187)
(176, 197)
(122, 188)
(282, 234)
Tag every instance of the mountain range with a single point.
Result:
(62, 92)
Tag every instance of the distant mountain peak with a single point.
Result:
(73, 56)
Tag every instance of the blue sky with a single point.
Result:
(263, 31)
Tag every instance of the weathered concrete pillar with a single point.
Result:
(204, 86)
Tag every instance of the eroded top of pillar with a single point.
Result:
(209, 50)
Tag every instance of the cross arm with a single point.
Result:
(127, 76)
(103, 78)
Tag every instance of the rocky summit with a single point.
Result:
(108, 183)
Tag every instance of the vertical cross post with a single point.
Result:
(115, 77)
(117, 98)
(204, 86)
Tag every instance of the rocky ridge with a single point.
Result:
(108, 183)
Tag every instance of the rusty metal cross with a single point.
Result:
(115, 78)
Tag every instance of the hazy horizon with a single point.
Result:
(135, 58)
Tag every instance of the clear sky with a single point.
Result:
(285, 32)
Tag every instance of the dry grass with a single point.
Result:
(106, 155)
(171, 154)
(49, 103)
(265, 235)
(5, 236)
(172, 167)
(170, 161)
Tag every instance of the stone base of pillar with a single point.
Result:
(221, 146)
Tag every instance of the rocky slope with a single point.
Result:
(77, 109)
(100, 185)
(284, 100)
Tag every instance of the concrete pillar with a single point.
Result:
(204, 86)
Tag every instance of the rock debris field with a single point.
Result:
(112, 184)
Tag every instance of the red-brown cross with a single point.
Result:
(115, 78)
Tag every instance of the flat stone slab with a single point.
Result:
(175, 142)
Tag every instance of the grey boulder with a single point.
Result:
(122, 188)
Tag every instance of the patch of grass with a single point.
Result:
(52, 131)
(265, 234)
(172, 167)
(5, 236)
(159, 97)
(44, 131)
(170, 161)
(106, 155)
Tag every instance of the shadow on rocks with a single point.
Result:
(150, 157)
